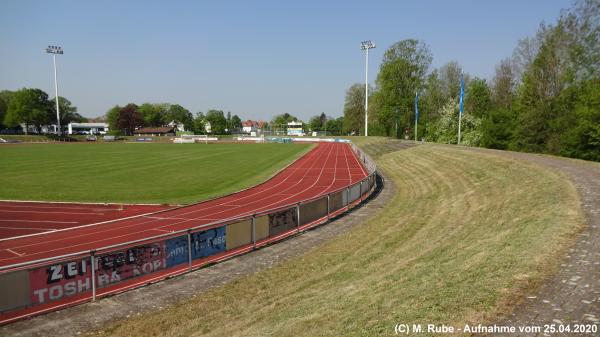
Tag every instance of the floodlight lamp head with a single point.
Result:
(367, 45)
(54, 50)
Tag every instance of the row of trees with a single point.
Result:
(544, 98)
(33, 108)
(219, 122)
(327, 124)
(131, 116)
(318, 123)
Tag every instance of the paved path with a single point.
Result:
(572, 295)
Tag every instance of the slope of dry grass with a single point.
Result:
(464, 234)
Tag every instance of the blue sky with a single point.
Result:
(253, 58)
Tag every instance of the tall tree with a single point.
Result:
(550, 73)
(279, 122)
(112, 117)
(318, 122)
(129, 118)
(581, 138)
(354, 110)
(431, 101)
(497, 128)
(30, 107)
(450, 79)
(68, 112)
(401, 74)
(503, 85)
(236, 122)
(154, 114)
(334, 126)
(179, 114)
(5, 96)
(477, 97)
(525, 52)
(217, 120)
(583, 22)
(199, 123)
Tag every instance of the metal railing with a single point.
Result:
(51, 283)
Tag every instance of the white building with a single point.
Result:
(178, 126)
(88, 128)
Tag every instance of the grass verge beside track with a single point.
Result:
(465, 233)
(137, 173)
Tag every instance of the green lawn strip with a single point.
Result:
(137, 173)
(465, 233)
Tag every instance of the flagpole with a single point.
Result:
(416, 130)
(416, 114)
(459, 122)
(461, 104)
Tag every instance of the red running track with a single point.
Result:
(26, 218)
(326, 168)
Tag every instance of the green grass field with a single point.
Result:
(463, 235)
(137, 173)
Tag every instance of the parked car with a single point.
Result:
(90, 139)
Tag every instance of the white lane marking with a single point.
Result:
(31, 228)
(43, 221)
(12, 251)
(161, 218)
(49, 212)
(60, 207)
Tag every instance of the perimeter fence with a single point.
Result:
(49, 284)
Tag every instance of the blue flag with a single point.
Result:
(462, 93)
(416, 105)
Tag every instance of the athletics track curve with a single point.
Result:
(326, 168)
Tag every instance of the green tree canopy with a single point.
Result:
(30, 107)
(5, 96)
(503, 85)
(217, 120)
(477, 97)
(279, 122)
(112, 117)
(236, 122)
(318, 122)
(354, 110)
(180, 114)
(199, 123)
(129, 119)
(401, 74)
(68, 112)
(334, 126)
(154, 114)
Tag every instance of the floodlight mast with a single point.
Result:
(366, 45)
(55, 50)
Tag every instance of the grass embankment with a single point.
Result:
(463, 234)
(137, 173)
(27, 138)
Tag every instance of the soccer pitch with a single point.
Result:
(137, 173)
